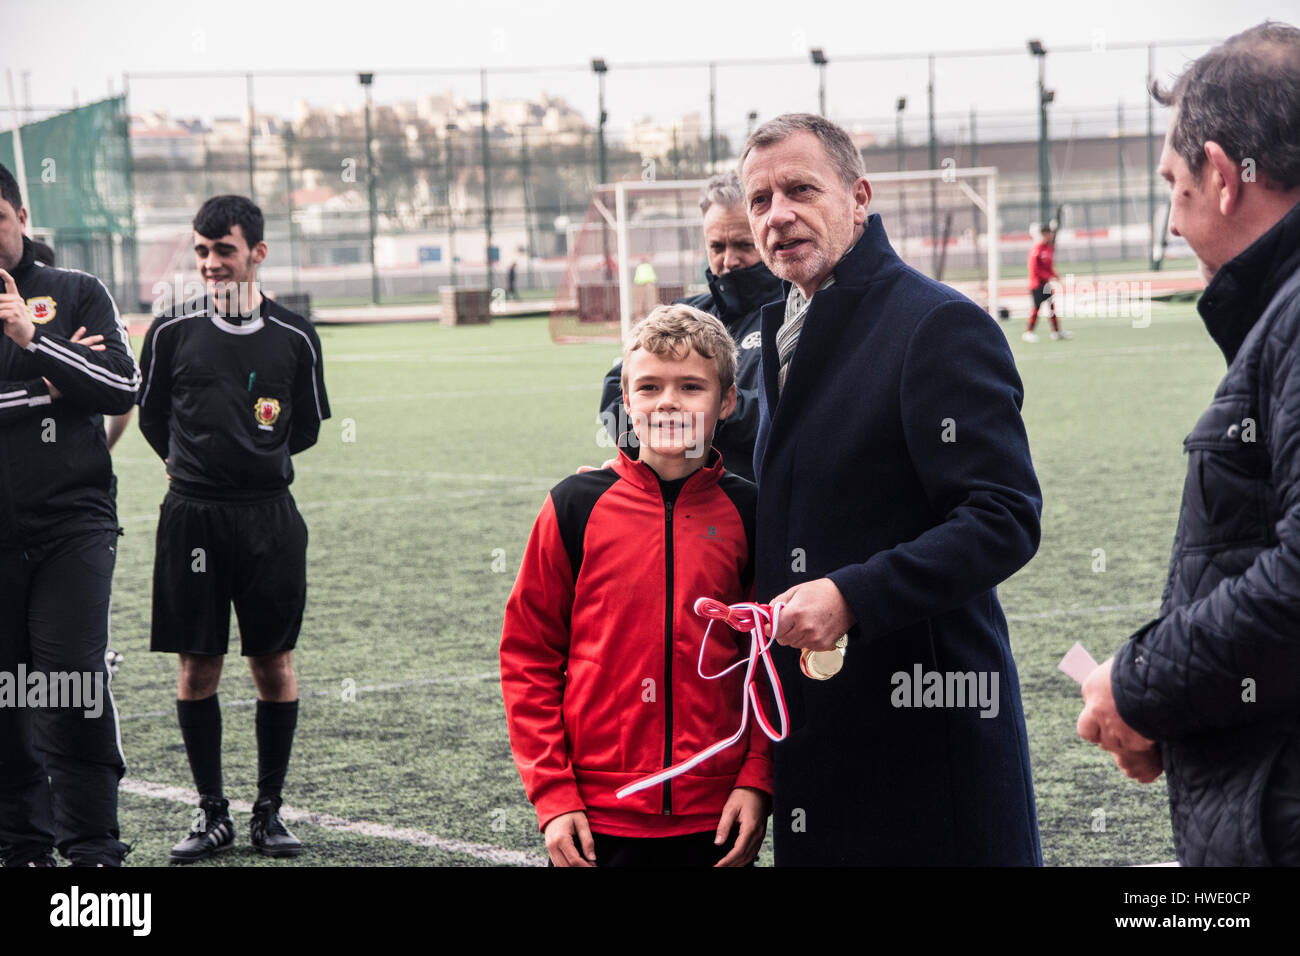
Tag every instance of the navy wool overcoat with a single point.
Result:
(896, 463)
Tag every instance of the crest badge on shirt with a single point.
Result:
(753, 340)
(267, 411)
(41, 308)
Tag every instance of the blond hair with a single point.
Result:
(671, 331)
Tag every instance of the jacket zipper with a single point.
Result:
(668, 654)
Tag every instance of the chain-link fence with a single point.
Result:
(389, 185)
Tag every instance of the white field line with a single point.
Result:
(489, 351)
(431, 475)
(368, 689)
(1066, 352)
(406, 499)
(1100, 609)
(343, 403)
(497, 349)
(148, 520)
(391, 472)
(486, 358)
(327, 821)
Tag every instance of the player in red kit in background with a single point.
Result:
(1041, 272)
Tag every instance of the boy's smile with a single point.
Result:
(674, 403)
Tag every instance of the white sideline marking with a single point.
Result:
(1067, 353)
(485, 358)
(480, 851)
(405, 499)
(1100, 609)
(441, 353)
(343, 403)
(369, 689)
(148, 520)
(434, 475)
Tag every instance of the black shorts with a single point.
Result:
(212, 553)
(1041, 295)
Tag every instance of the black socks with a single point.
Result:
(200, 722)
(201, 730)
(276, 723)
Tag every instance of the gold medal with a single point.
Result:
(823, 665)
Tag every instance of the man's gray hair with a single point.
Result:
(723, 190)
(1244, 95)
(844, 156)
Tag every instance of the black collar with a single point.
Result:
(26, 262)
(1243, 287)
(742, 291)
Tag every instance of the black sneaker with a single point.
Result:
(269, 834)
(41, 860)
(102, 858)
(213, 832)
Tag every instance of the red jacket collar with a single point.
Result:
(643, 476)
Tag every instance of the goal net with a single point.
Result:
(938, 221)
(641, 244)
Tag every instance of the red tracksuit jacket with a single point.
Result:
(600, 649)
(1040, 264)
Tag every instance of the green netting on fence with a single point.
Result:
(78, 167)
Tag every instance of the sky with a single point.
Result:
(74, 48)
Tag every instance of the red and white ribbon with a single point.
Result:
(761, 621)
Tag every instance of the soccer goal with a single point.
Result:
(944, 222)
(641, 244)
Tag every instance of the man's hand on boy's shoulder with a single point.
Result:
(562, 836)
(747, 808)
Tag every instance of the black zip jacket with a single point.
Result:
(1216, 679)
(56, 476)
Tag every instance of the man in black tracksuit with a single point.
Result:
(739, 285)
(233, 385)
(60, 759)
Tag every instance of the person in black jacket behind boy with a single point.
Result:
(739, 285)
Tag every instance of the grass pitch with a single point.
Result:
(417, 529)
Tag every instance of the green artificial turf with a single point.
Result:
(418, 526)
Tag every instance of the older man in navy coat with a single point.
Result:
(895, 492)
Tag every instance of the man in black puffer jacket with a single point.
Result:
(739, 285)
(1210, 691)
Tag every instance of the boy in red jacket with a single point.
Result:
(600, 648)
(1041, 273)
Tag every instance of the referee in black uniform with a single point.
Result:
(232, 387)
(60, 758)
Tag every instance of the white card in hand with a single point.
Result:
(1077, 663)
